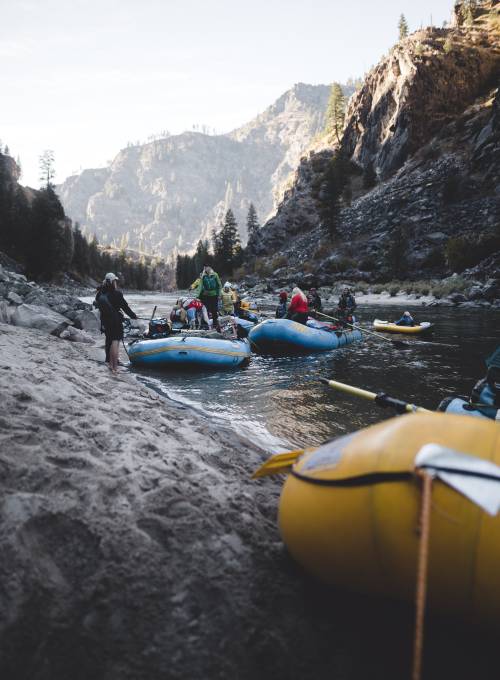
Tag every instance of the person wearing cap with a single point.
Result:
(406, 320)
(281, 308)
(110, 301)
(209, 291)
(228, 298)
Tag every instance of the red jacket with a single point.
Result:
(298, 305)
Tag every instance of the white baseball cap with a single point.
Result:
(111, 277)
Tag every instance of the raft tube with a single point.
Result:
(462, 407)
(350, 509)
(179, 351)
(283, 336)
(388, 327)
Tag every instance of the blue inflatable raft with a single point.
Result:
(461, 406)
(282, 336)
(182, 351)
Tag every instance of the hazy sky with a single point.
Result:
(84, 77)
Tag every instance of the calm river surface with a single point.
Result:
(279, 403)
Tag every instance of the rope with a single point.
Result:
(422, 568)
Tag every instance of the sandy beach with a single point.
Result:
(133, 543)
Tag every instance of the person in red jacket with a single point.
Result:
(298, 309)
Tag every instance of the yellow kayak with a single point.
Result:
(388, 327)
(350, 510)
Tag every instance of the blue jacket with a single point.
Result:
(406, 321)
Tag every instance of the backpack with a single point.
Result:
(108, 312)
(209, 282)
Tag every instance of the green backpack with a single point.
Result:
(209, 282)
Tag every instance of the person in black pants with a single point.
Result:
(110, 301)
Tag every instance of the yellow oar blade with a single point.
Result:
(279, 463)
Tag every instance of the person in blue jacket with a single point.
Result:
(406, 320)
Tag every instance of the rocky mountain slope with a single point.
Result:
(163, 196)
(427, 121)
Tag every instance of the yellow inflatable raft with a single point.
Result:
(350, 510)
(388, 327)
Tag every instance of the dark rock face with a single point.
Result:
(410, 95)
(436, 146)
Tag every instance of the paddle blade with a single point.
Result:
(281, 462)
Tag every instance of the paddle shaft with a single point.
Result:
(363, 330)
(381, 399)
(152, 315)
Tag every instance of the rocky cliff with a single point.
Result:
(426, 122)
(163, 196)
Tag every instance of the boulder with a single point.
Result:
(34, 316)
(4, 312)
(22, 288)
(3, 274)
(76, 335)
(457, 298)
(14, 298)
(86, 320)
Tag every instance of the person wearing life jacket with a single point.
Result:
(228, 299)
(346, 307)
(486, 393)
(110, 301)
(208, 292)
(298, 309)
(314, 300)
(178, 312)
(406, 320)
(243, 311)
(281, 308)
(196, 313)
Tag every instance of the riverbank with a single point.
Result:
(131, 532)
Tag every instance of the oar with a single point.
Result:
(396, 343)
(381, 398)
(279, 463)
(153, 314)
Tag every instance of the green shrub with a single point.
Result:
(279, 261)
(368, 263)
(322, 251)
(394, 289)
(454, 284)
(435, 259)
(448, 45)
(262, 268)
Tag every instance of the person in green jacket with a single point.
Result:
(209, 292)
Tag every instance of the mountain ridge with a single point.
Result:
(165, 195)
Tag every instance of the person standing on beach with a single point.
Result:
(110, 301)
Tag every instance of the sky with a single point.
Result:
(85, 77)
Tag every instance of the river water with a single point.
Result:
(279, 403)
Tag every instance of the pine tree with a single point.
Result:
(396, 260)
(466, 12)
(369, 176)
(335, 112)
(252, 223)
(403, 27)
(50, 250)
(334, 182)
(46, 165)
(230, 242)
